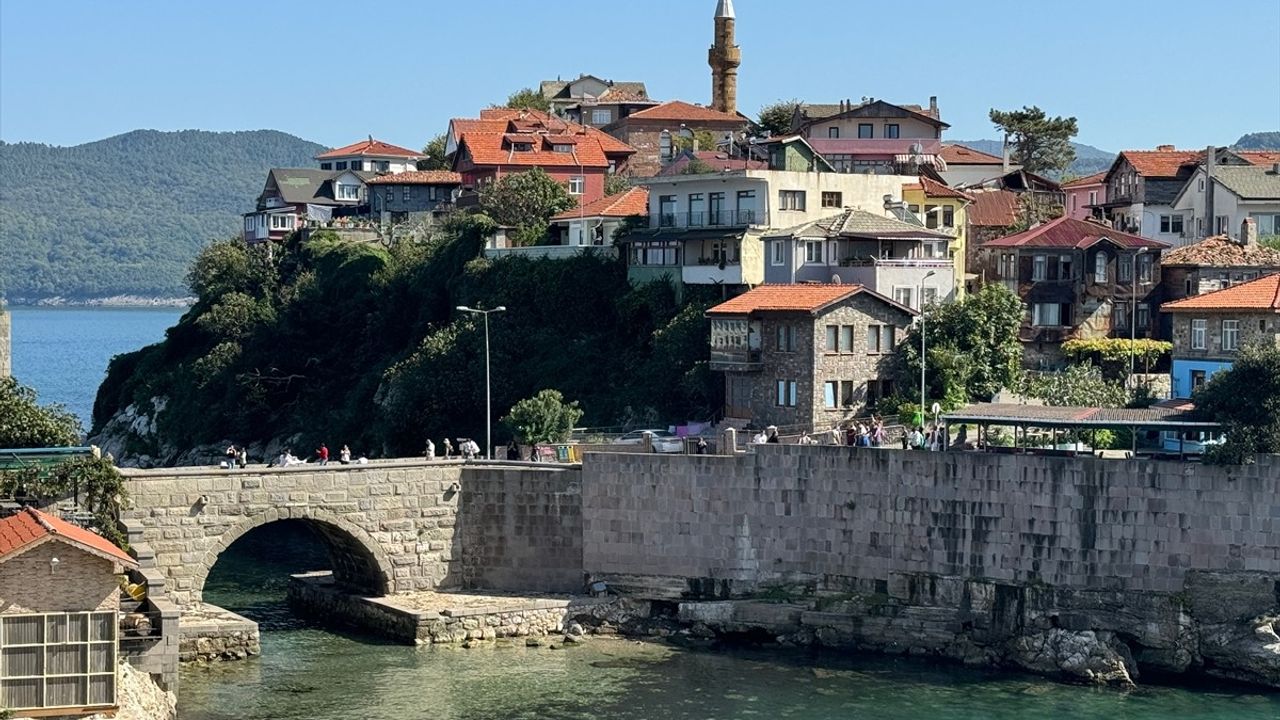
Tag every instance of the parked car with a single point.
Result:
(663, 441)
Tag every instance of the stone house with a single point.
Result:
(1079, 280)
(806, 357)
(1208, 330)
(1213, 264)
(412, 195)
(59, 601)
(655, 132)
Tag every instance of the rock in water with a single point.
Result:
(1092, 656)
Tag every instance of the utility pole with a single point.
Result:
(488, 404)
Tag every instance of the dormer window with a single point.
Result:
(562, 148)
(348, 192)
(522, 147)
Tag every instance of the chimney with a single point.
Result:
(1004, 155)
(933, 105)
(1275, 169)
(1164, 148)
(1210, 165)
(1249, 233)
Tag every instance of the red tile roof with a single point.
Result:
(489, 139)
(493, 149)
(1221, 251)
(959, 154)
(30, 527)
(370, 147)
(418, 177)
(803, 297)
(1067, 232)
(633, 201)
(1161, 163)
(1260, 294)
(680, 111)
(935, 189)
(993, 208)
(1095, 179)
(1260, 157)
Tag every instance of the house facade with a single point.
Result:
(707, 229)
(1213, 264)
(1079, 280)
(899, 259)
(1233, 189)
(1210, 329)
(1083, 195)
(656, 132)
(59, 608)
(590, 100)
(806, 357)
(373, 156)
(868, 120)
(412, 195)
(966, 166)
(945, 210)
(293, 198)
(850, 155)
(1141, 186)
(593, 227)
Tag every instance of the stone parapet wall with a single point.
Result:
(213, 634)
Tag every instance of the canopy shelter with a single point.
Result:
(1170, 415)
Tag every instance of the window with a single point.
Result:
(1198, 333)
(931, 216)
(666, 211)
(846, 338)
(382, 165)
(657, 254)
(1230, 335)
(865, 130)
(1064, 268)
(1222, 224)
(829, 390)
(902, 296)
(934, 249)
(915, 209)
(786, 393)
(281, 221)
(1046, 315)
(715, 206)
(1197, 379)
(786, 338)
(348, 192)
(846, 393)
(1093, 197)
(697, 209)
(58, 660)
(405, 193)
(1008, 266)
(747, 207)
(1144, 316)
(1039, 265)
(832, 200)
(791, 200)
(1144, 268)
(813, 252)
(601, 116)
(891, 131)
(340, 165)
(948, 216)
(561, 148)
(1200, 186)
(833, 132)
(1120, 316)
(1171, 224)
(833, 333)
(1100, 267)
(886, 338)
(873, 339)
(1126, 268)
(1074, 197)
(326, 166)
(577, 185)
(779, 252)
(357, 165)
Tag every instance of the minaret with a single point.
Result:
(724, 58)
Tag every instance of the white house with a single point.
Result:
(370, 156)
(1239, 192)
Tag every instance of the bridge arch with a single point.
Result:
(359, 562)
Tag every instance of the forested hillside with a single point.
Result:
(1089, 159)
(1259, 141)
(126, 215)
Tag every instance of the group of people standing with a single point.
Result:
(936, 438)
(857, 434)
(467, 449)
(239, 457)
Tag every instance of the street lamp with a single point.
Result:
(1133, 326)
(488, 409)
(927, 275)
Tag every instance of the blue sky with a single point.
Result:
(332, 72)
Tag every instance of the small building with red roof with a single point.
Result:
(1084, 196)
(655, 132)
(806, 357)
(59, 600)
(1208, 330)
(1079, 280)
(967, 166)
(370, 155)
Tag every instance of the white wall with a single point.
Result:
(907, 128)
(973, 174)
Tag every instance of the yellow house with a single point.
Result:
(942, 209)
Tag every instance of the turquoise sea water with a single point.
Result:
(63, 352)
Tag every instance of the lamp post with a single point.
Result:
(488, 409)
(927, 275)
(1133, 326)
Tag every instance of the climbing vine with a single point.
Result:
(94, 481)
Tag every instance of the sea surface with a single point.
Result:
(63, 352)
(308, 672)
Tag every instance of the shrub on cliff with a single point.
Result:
(24, 423)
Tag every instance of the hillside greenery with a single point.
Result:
(1259, 141)
(126, 215)
(330, 341)
(1088, 159)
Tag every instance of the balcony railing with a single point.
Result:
(896, 262)
(735, 359)
(709, 219)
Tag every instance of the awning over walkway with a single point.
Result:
(1162, 416)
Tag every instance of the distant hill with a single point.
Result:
(125, 215)
(1259, 141)
(1089, 159)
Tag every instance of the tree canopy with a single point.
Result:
(1041, 144)
(526, 201)
(775, 118)
(1246, 400)
(433, 157)
(543, 418)
(1112, 355)
(527, 99)
(24, 423)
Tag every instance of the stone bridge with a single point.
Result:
(389, 526)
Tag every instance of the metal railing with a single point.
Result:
(708, 219)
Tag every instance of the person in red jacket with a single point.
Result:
(323, 452)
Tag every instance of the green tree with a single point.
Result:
(543, 418)
(1041, 144)
(972, 345)
(528, 99)
(229, 266)
(614, 184)
(1076, 386)
(1246, 401)
(24, 423)
(526, 201)
(433, 155)
(706, 141)
(775, 118)
(697, 166)
(94, 482)
(1112, 355)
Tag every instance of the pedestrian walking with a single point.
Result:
(448, 449)
(323, 454)
(242, 458)
(430, 451)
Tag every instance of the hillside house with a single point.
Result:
(868, 120)
(1085, 196)
(945, 210)
(898, 259)
(412, 195)
(1141, 188)
(370, 155)
(656, 132)
(966, 166)
(892, 156)
(1079, 280)
(1210, 329)
(59, 602)
(1243, 185)
(1213, 264)
(293, 198)
(589, 100)
(592, 226)
(805, 357)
